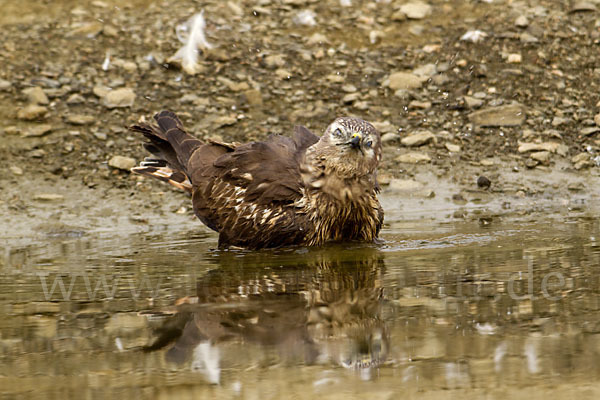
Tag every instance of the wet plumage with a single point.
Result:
(303, 190)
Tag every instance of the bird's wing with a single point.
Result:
(249, 188)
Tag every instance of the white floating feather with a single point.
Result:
(191, 34)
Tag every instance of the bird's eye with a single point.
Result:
(369, 143)
(337, 132)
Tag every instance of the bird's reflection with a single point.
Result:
(317, 306)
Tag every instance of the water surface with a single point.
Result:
(493, 307)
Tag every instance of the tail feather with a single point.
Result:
(171, 147)
(165, 174)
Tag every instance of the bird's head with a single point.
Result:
(351, 147)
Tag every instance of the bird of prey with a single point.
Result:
(304, 190)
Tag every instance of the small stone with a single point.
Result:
(351, 97)
(531, 163)
(416, 10)
(421, 105)
(100, 135)
(100, 91)
(36, 95)
(413, 158)
(118, 98)
(121, 162)
(522, 21)
(389, 138)
(541, 156)
(38, 130)
(597, 119)
(514, 58)
(473, 102)
(75, 98)
(590, 130)
(348, 88)
(526, 37)
(582, 6)
(224, 121)
(253, 97)
(37, 153)
(48, 197)
(483, 182)
(32, 112)
(580, 157)
(418, 139)
(317, 38)
(283, 73)
(452, 148)
(16, 170)
(558, 121)
(510, 115)
(546, 146)
(403, 80)
(404, 185)
(335, 78)
(5, 85)
(78, 119)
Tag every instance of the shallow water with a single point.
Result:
(507, 308)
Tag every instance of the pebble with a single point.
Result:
(541, 156)
(416, 10)
(514, 58)
(413, 158)
(32, 112)
(452, 148)
(582, 6)
(351, 97)
(283, 73)
(546, 146)
(558, 121)
(473, 102)
(389, 138)
(5, 85)
(317, 38)
(79, 119)
(509, 115)
(121, 162)
(48, 197)
(123, 97)
(75, 98)
(403, 80)
(483, 182)
(36, 95)
(335, 78)
(224, 120)
(522, 21)
(427, 70)
(421, 105)
(597, 119)
(38, 130)
(16, 170)
(418, 139)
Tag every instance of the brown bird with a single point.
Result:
(305, 190)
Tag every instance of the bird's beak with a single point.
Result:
(355, 141)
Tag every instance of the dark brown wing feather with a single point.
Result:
(242, 191)
(246, 194)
